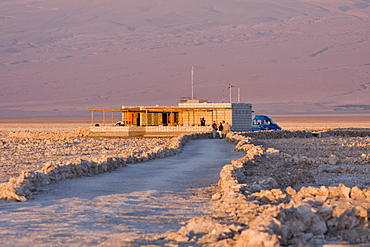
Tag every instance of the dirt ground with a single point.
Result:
(322, 122)
(291, 191)
(130, 206)
(315, 162)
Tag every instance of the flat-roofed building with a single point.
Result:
(172, 120)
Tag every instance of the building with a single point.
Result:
(160, 121)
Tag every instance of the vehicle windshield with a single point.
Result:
(270, 121)
(266, 122)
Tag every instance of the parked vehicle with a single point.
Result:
(261, 122)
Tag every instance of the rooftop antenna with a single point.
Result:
(229, 88)
(192, 82)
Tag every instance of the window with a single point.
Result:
(257, 121)
(266, 122)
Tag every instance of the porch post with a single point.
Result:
(147, 117)
(103, 117)
(92, 117)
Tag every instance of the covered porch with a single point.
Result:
(155, 121)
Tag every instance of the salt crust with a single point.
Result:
(286, 191)
(252, 208)
(42, 158)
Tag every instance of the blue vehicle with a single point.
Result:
(261, 122)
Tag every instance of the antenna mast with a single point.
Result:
(238, 94)
(192, 82)
(230, 86)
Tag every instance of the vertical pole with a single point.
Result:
(172, 117)
(230, 86)
(238, 94)
(147, 121)
(103, 118)
(192, 82)
(198, 116)
(230, 94)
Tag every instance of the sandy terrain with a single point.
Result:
(322, 122)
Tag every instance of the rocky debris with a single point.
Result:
(333, 160)
(283, 134)
(57, 158)
(346, 133)
(280, 194)
(290, 189)
(340, 150)
(42, 134)
(22, 151)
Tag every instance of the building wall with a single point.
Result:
(210, 114)
(145, 131)
(192, 118)
(238, 115)
(151, 119)
(242, 117)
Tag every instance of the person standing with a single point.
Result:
(202, 122)
(213, 128)
(226, 128)
(220, 129)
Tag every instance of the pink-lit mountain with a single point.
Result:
(61, 58)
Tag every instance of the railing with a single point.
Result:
(185, 129)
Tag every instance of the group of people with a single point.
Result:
(222, 129)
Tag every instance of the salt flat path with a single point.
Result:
(127, 207)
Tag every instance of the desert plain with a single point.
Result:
(306, 59)
(62, 58)
(289, 189)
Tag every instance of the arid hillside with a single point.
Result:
(61, 58)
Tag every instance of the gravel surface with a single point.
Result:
(326, 161)
(295, 190)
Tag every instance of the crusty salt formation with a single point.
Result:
(32, 150)
(49, 159)
(289, 191)
(355, 132)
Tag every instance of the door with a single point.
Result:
(137, 119)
